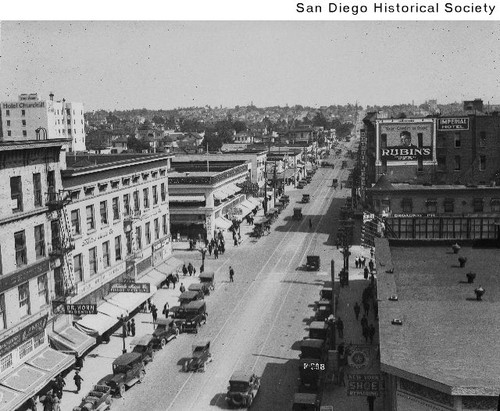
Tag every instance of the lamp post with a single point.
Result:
(123, 321)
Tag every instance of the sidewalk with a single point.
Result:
(369, 362)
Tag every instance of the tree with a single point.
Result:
(239, 126)
(319, 120)
(137, 145)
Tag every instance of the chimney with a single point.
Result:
(51, 95)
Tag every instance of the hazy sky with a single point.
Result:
(122, 65)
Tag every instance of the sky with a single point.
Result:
(169, 64)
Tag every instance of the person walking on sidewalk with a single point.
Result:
(166, 309)
(129, 328)
(365, 273)
(340, 327)
(182, 288)
(371, 333)
(210, 246)
(341, 380)
(190, 269)
(357, 309)
(78, 381)
(371, 265)
(184, 270)
(231, 274)
(216, 252)
(132, 327)
(366, 333)
(154, 312)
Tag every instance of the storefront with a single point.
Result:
(160, 250)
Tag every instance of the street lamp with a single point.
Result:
(123, 321)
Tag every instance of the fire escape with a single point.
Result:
(60, 250)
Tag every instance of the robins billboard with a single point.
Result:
(406, 140)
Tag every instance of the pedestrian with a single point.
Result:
(166, 309)
(372, 252)
(364, 321)
(154, 312)
(341, 380)
(371, 333)
(56, 403)
(371, 265)
(372, 279)
(184, 270)
(48, 401)
(371, 402)
(203, 254)
(357, 309)
(310, 224)
(167, 281)
(216, 253)
(366, 307)
(356, 262)
(175, 278)
(363, 262)
(231, 274)
(239, 238)
(31, 403)
(235, 240)
(366, 272)
(78, 381)
(340, 327)
(202, 268)
(132, 326)
(222, 247)
(129, 328)
(182, 288)
(210, 247)
(149, 304)
(190, 245)
(190, 269)
(79, 363)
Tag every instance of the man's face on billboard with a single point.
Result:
(405, 139)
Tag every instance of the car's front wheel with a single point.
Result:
(121, 390)
(163, 341)
(142, 374)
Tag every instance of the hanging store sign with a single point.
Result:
(23, 335)
(131, 288)
(80, 309)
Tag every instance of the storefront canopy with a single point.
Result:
(112, 310)
(248, 204)
(221, 222)
(221, 194)
(255, 201)
(130, 301)
(96, 324)
(72, 340)
(186, 199)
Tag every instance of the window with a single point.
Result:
(495, 204)
(126, 204)
(478, 205)
(39, 241)
(3, 314)
(163, 192)
(75, 222)
(7, 112)
(23, 113)
(155, 195)
(69, 131)
(147, 228)
(25, 348)
(90, 218)
(383, 140)
(104, 212)
(43, 289)
(9, 133)
(457, 163)
(482, 163)
(20, 246)
(6, 362)
(8, 123)
(157, 229)
(458, 142)
(128, 237)
(16, 193)
(136, 200)
(482, 139)
(105, 254)
(431, 206)
(145, 194)
(164, 223)
(449, 205)
(407, 205)
(24, 299)
(118, 248)
(138, 237)
(78, 267)
(93, 260)
(51, 180)
(25, 133)
(37, 189)
(116, 208)
(24, 123)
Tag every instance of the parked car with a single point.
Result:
(323, 310)
(301, 184)
(189, 296)
(319, 330)
(144, 345)
(312, 375)
(208, 278)
(205, 289)
(312, 348)
(306, 198)
(201, 356)
(190, 316)
(326, 293)
(99, 399)
(297, 213)
(128, 369)
(165, 331)
(243, 387)
(313, 262)
(306, 402)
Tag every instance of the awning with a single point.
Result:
(130, 301)
(232, 188)
(221, 222)
(112, 310)
(153, 277)
(70, 339)
(244, 210)
(255, 201)
(186, 199)
(29, 378)
(248, 204)
(221, 194)
(96, 324)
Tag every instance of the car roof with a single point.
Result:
(142, 340)
(201, 343)
(304, 398)
(318, 324)
(323, 302)
(241, 376)
(164, 321)
(127, 358)
(188, 294)
(312, 342)
(195, 286)
(207, 274)
(194, 305)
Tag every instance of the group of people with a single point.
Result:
(188, 270)
(216, 245)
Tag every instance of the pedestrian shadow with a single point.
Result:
(219, 401)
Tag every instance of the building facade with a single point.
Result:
(31, 118)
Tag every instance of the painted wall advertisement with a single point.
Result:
(406, 141)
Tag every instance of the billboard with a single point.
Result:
(406, 140)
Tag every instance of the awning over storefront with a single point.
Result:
(186, 199)
(96, 324)
(244, 209)
(153, 277)
(30, 377)
(130, 301)
(232, 188)
(112, 310)
(221, 194)
(71, 339)
(255, 201)
(221, 222)
(248, 204)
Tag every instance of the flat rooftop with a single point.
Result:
(448, 340)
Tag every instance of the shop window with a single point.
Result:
(478, 205)
(26, 348)
(93, 260)
(75, 222)
(458, 142)
(104, 212)
(407, 205)
(43, 289)
(147, 230)
(106, 259)
(20, 247)
(118, 248)
(16, 193)
(39, 241)
(145, 197)
(163, 192)
(116, 208)
(457, 163)
(24, 300)
(449, 205)
(431, 206)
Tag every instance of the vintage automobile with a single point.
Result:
(261, 227)
(313, 262)
(306, 198)
(128, 369)
(189, 296)
(301, 184)
(208, 278)
(319, 330)
(326, 293)
(201, 356)
(306, 402)
(165, 331)
(190, 316)
(99, 399)
(297, 213)
(323, 310)
(144, 345)
(312, 375)
(205, 289)
(313, 348)
(344, 164)
(335, 182)
(243, 387)
(308, 179)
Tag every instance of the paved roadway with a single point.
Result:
(256, 322)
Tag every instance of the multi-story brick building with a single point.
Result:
(31, 118)
(30, 171)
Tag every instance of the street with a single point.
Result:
(256, 322)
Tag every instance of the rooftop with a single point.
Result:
(448, 340)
